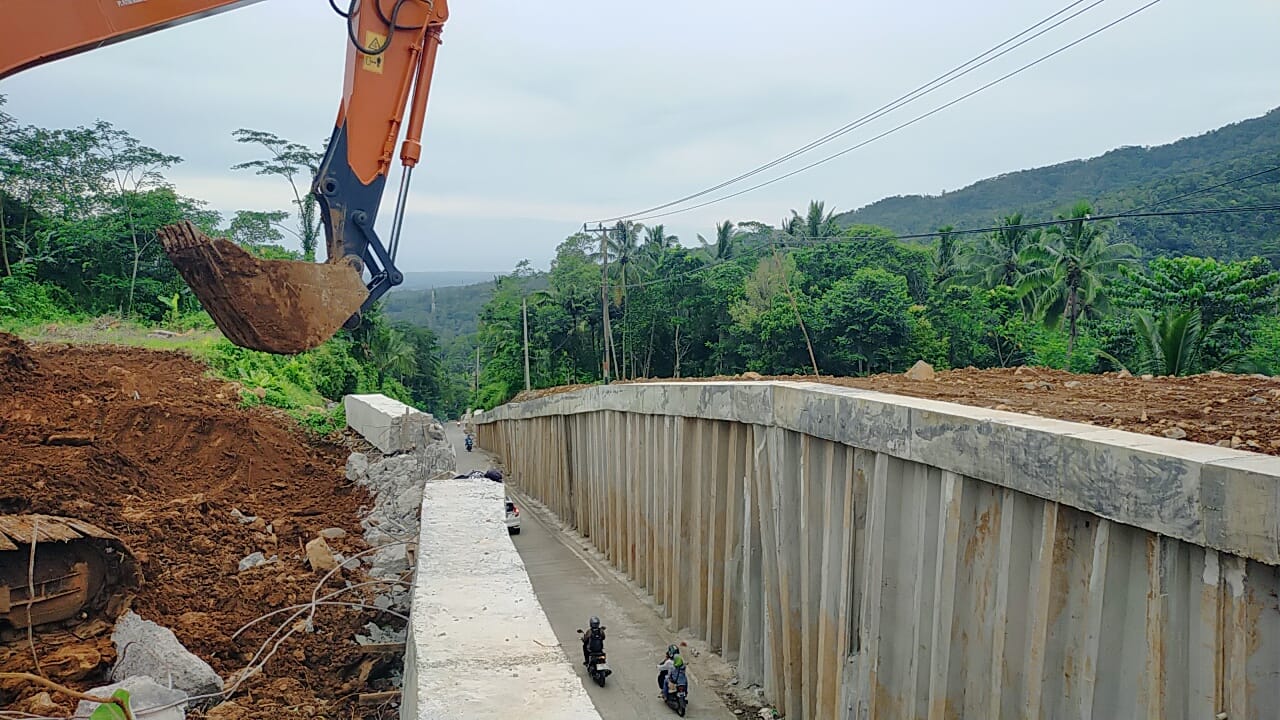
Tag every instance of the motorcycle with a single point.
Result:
(469, 443)
(677, 700)
(598, 667)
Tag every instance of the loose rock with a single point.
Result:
(226, 711)
(253, 560)
(333, 533)
(154, 651)
(1175, 433)
(752, 376)
(320, 557)
(921, 371)
(1072, 384)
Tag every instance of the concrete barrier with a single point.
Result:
(390, 425)
(479, 644)
(864, 555)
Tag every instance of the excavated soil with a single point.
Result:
(1241, 411)
(168, 454)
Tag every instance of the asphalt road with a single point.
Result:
(572, 586)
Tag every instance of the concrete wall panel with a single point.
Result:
(861, 555)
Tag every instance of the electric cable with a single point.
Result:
(908, 123)
(818, 241)
(938, 82)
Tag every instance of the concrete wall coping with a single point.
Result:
(480, 645)
(1224, 499)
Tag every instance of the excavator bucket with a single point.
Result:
(79, 572)
(277, 306)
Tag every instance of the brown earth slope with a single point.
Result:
(171, 454)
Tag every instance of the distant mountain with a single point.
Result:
(444, 278)
(1121, 180)
(450, 311)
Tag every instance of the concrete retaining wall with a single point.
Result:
(479, 644)
(390, 425)
(863, 555)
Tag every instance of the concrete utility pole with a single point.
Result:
(604, 298)
(524, 311)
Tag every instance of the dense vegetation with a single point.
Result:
(1122, 180)
(810, 296)
(79, 210)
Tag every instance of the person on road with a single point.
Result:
(592, 641)
(671, 673)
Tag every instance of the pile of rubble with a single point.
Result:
(164, 677)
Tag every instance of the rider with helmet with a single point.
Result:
(592, 641)
(671, 671)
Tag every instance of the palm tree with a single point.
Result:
(723, 249)
(1074, 263)
(996, 259)
(815, 223)
(391, 354)
(944, 261)
(656, 238)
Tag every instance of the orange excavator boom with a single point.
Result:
(273, 305)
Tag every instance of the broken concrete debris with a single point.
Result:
(144, 648)
(253, 560)
(144, 692)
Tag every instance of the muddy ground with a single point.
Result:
(1240, 411)
(170, 453)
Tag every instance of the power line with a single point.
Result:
(1210, 188)
(938, 82)
(846, 239)
(908, 123)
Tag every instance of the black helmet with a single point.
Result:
(595, 622)
(672, 651)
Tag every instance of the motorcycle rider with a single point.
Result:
(668, 666)
(592, 641)
(470, 442)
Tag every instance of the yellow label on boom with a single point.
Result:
(373, 41)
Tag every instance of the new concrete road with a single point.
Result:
(572, 586)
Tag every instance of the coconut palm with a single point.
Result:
(817, 222)
(996, 259)
(723, 249)
(1073, 265)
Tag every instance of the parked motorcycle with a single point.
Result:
(598, 666)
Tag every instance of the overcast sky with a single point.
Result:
(545, 115)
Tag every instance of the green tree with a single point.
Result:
(817, 222)
(723, 248)
(1173, 343)
(134, 169)
(1074, 266)
(297, 164)
(865, 322)
(998, 257)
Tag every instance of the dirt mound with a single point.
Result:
(1241, 411)
(16, 362)
(168, 453)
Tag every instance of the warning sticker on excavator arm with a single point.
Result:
(373, 41)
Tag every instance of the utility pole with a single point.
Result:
(524, 311)
(604, 297)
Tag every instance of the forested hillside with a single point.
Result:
(810, 297)
(1122, 180)
(79, 210)
(448, 311)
